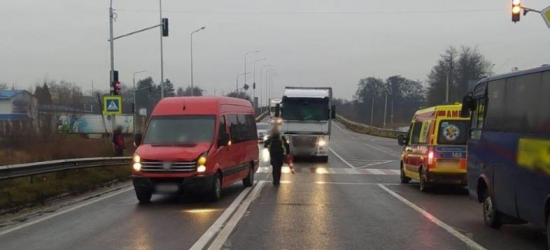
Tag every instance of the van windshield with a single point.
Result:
(452, 132)
(180, 130)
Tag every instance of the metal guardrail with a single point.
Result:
(29, 169)
(35, 168)
(369, 130)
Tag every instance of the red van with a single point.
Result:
(196, 143)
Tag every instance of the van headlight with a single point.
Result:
(266, 137)
(201, 164)
(137, 166)
(136, 158)
(321, 142)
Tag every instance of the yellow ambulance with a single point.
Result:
(434, 150)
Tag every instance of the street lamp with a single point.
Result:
(245, 55)
(271, 83)
(262, 77)
(192, 88)
(254, 83)
(237, 81)
(267, 72)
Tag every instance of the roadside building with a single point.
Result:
(18, 111)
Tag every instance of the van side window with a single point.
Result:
(415, 135)
(424, 132)
(242, 128)
(222, 125)
(478, 118)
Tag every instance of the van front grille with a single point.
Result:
(157, 166)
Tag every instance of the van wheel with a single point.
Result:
(423, 185)
(215, 192)
(143, 196)
(404, 179)
(249, 180)
(491, 216)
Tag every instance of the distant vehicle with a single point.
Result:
(306, 115)
(272, 106)
(434, 150)
(263, 131)
(509, 147)
(196, 143)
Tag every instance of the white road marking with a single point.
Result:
(376, 171)
(340, 157)
(232, 223)
(374, 164)
(469, 242)
(395, 171)
(102, 197)
(351, 171)
(218, 224)
(381, 150)
(354, 183)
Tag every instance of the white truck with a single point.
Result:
(306, 120)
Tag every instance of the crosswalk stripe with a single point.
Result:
(344, 171)
(376, 171)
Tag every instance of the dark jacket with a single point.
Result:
(118, 140)
(278, 146)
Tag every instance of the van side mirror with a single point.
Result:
(224, 139)
(277, 110)
(333, 112)
(402, 140)
(468, 105)
(138, 137)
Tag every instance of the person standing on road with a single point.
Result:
(118, 140)
(278, 150)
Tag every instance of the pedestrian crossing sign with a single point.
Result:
(112, 105)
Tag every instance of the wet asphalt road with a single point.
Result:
(343, 204)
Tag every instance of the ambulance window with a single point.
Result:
(424, 132)
(415, 136)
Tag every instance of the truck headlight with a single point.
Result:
(322, 142)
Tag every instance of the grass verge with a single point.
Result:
(25, 192)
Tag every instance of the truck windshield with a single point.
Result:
(452, 132)
(306, 109)
(180, 130)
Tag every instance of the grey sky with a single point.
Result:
(310, 42)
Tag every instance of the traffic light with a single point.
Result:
(116, 88)
(165, 27)
(254, 86)
(115, 85)
(516, 10)
(245, 87)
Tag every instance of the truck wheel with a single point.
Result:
(323, 158)
(491, 216)
(404, 179)
(143, 196)
(423, 185)
(249, 180)
(215, 192)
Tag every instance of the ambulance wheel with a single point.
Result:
(404, 178)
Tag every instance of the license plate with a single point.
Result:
(448, 164)
(167, 188)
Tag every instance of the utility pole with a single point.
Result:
(449, 78)
(112, 48)
(372, 112)
(385, 108)
(245, 55)
(254, 83)
(161, 54)
(192, 88)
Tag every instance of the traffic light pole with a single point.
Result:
(112, 75)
